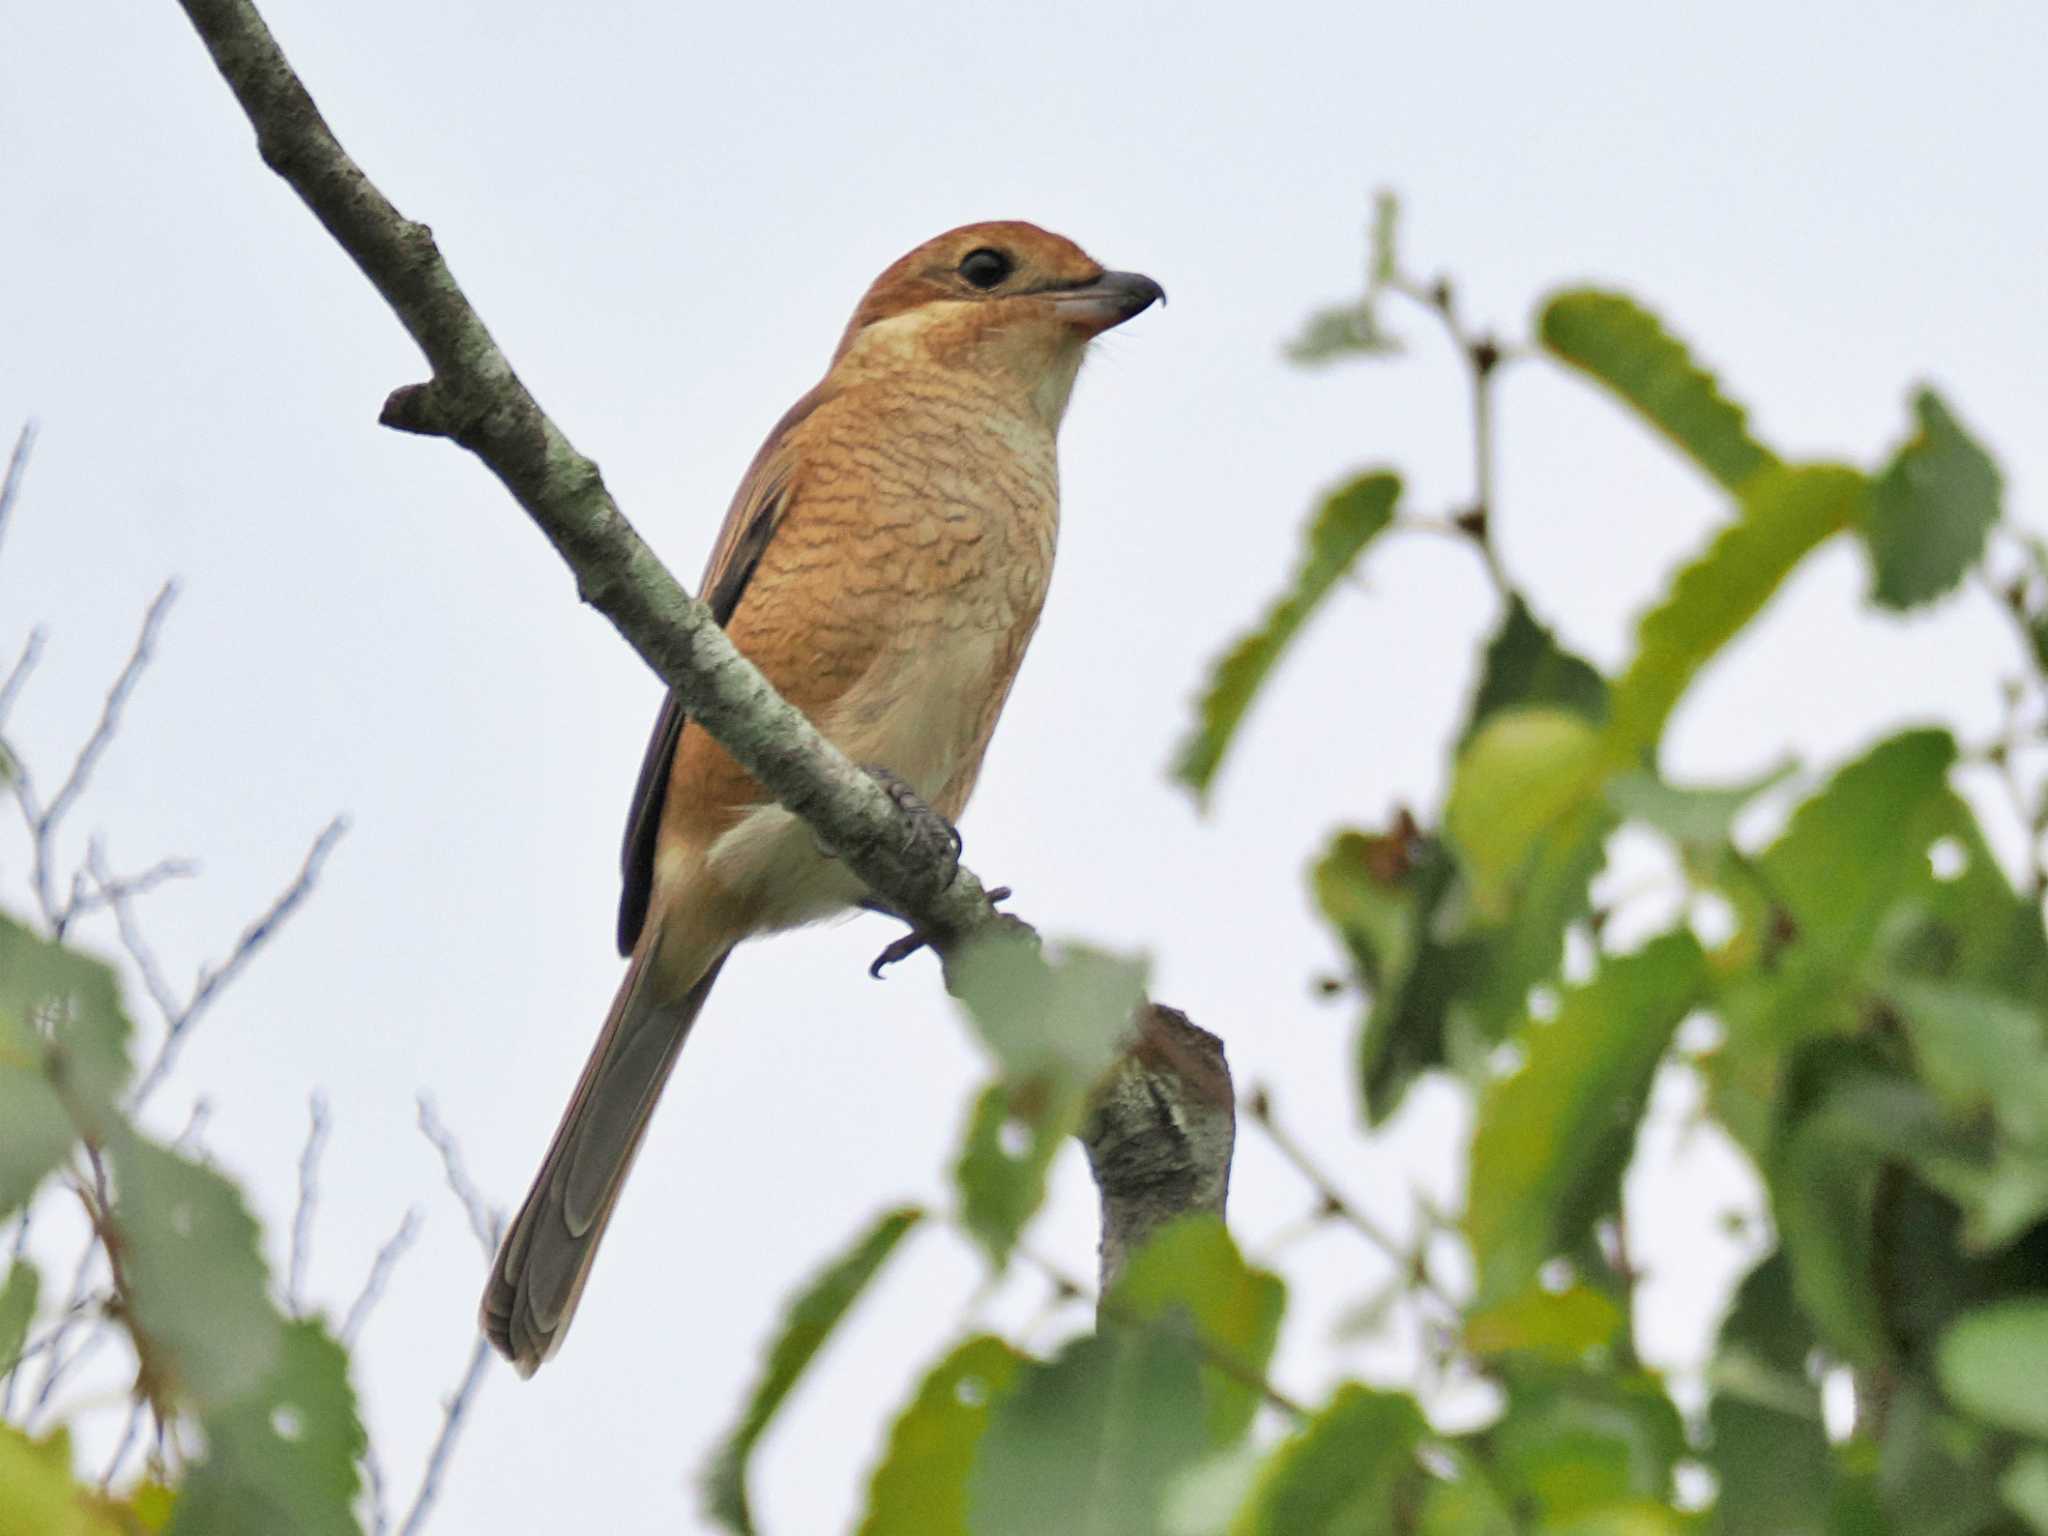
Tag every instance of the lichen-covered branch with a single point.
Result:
(1161, 1141)
(1160, 1134)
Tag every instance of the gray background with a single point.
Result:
(666, 213)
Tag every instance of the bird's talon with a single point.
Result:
(899, 949)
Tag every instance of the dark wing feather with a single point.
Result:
(750, 523)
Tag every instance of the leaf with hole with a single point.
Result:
(283, 1457)
(920, 1486)
(198, 1288)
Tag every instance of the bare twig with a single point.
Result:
(130, 1432)
(17, 463)
(92, 888)
(373, 1477)
(485, 1219)
(17, 675)
(454, 1412)
(380, 1274)
(302, 1212)
(44, 819)
(179, 1018)
(476, 399)
(1414, 1263)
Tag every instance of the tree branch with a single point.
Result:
(1161, 1140)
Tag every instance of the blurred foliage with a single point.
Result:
(1861, 996)
(255, 1423)
(1865, 1016)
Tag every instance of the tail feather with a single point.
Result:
(546, 1254)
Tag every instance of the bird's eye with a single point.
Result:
(986, 267)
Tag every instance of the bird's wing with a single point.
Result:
(750, 522)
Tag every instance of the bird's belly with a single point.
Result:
(922, 711)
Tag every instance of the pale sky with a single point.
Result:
(666, 213)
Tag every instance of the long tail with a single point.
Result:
(546, 1255)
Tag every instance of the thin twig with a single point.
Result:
(454, 1413)
(91, 890)
(45, 819)
(213, 980)
(17, 464)
(485, 1220)
(25, 663)
(302, 1212)
(1413, 1263)
(380, 1274)
(373, 1476)
(129, 1432)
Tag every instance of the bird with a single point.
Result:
(883, 562)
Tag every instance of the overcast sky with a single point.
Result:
(666, 213)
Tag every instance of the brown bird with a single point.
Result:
(883, 563)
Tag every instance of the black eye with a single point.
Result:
(986, 267)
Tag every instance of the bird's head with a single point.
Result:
(1007, 300)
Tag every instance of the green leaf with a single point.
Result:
(1192, 1268)
(1768, 1449)
(920, 1487)
(1929, 512)
(1565, 1327)
(1468, 1506)
(1342, 1472)
(63, 1055)
(193, 1262)
(1625, 347)
(1978, 1051)
(1055, 1027)
(1786, 512)
(1524, 665)
(1386, 227)
(1575, 1443)
(1057, 1019)
(1524, 773)
(1822, 1194)
(1384, 894)
(1934, 1476)
(1699, 817)
(1553, 1139)
(1001, 1170)
(1340, 330)
(1087, 1444)
(1993, 1362)
(1836, 879)
(2025, 1488)
(806, 1324)
(284, 1457)
(17, 1310)
(1350, 518)
(37, 1495)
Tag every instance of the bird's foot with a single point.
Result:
(916, 939)
(931, 835)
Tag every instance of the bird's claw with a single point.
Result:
(916, 939)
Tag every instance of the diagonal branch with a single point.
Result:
(476, 399)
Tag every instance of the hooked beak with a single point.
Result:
(1109, 300)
